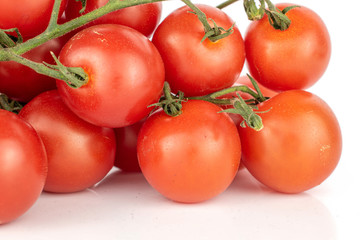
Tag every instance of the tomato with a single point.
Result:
(192, 157)
(126, 74)
(21, 83)
(30, 17)
(292, 59)
(79, 153)
(144, 17)
(23, 166)
(299, 146)
(195, 67)
(126, 142)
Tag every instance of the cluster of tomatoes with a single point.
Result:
(67, 139)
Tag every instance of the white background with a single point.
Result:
(124, 206)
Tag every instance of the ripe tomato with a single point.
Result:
(126, 142)
(126, 74)
(79, 153)
(30, 17)
(195, 67)
(192, 157)
(299, 146)
(23, 166)
(144, 17)
(21, 83)
(292, 59)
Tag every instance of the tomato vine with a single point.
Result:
(171, 103)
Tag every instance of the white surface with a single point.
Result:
(124, 206)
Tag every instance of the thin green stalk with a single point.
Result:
(78, 81)
(212, 33)
(5, 40)
(226, 3)
(214, 97)
(54, 16)
(250, 117)
(200, 14)
(171, 104)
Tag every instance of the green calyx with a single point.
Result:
(276, 17)
(212, 33)
(251, 119)
(171, 104)
(74, 77)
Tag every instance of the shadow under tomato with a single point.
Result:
(124, 203)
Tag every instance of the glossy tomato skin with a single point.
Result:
(126, 75)
(126, 144)
(143, 18)
(192, 157)
(23, 166)
(30, 17)
(195, 67)
(22, 83)
(79, 153)
(292, 59)
(299, 146)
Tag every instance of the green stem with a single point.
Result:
(226, 3)
(57, 30)
(241, 88)
(54, 16)
(4, 103)
(200, 14)
(9, 105)
(251, 119)
(77, 81)
(239, 105)
(214, 97)
(261, 97)
(171, 104)
(212, 33)
(5, 40)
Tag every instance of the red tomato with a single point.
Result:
(195, 67)
(79, 153)
(299, 146)
(30, 17)
(23, 166)
(144, 17)
(192, 157)
(292, 59)
(126, 74)
(21, 83)
(126, 142)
